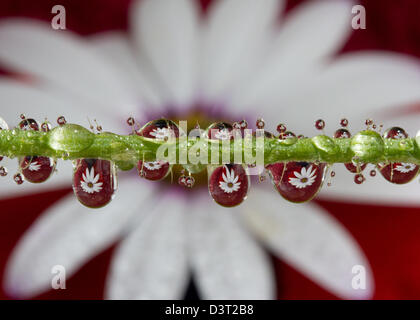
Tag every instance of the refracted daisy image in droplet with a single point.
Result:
(161, 130)
(398, 173)
(94, 182)
(297, 181)
(228, 184)
(37, 169)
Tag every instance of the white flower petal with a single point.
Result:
(151, 263)
(310, 240)
(64, 59)
(312, 32)
(355, 86)
(42, 102)
(227, 262)
(233, 41)
(68, 234)
(166, 33)
(117, 48)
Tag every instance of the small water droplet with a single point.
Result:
(320, 124)
(61, 121)
(344, 122)
(131, 121)
(260, 123)
(3, 171)
(332, 174)
(359, 178)
(372, 173)
(281, 128)
(18, 178)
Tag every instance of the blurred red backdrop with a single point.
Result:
(390, 236)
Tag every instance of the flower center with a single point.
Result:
(303, 180)
(90, 184)
(202, 118)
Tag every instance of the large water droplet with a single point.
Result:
(94, 182)
(37, 169)
(228, 184)
(297, 181)
(162, 130)
(400, 172)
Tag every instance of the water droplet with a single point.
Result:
(3, 171)
(94, 182)
(18, 178)
(373, 173)
(344, 122)
(153, 170)
(332, 174)
(29, 124)
(359, 178)
(61, 121)
(131, 121)
(3, 124)
(398, 172)
(46, 126)
(297, 181)
(287, 135)
(395, 133)
(320, 124)
(162, 130)
(244, 124)
(37, 169)
(228, 184)
(189, 181)
(352, 167)
(281, 128)
(22, 116)
(236, 125)
(219, 131)
(260, 123)
(369, 122)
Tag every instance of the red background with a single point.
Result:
(389, 236)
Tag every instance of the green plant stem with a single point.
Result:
(74, 142)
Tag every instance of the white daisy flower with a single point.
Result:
(89, 182)
(238, 59)
(161, 133)
(154, 165)
(230, 181)
(34, 166)
(405, 167)
(304, 179)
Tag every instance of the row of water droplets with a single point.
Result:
(95, 180)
